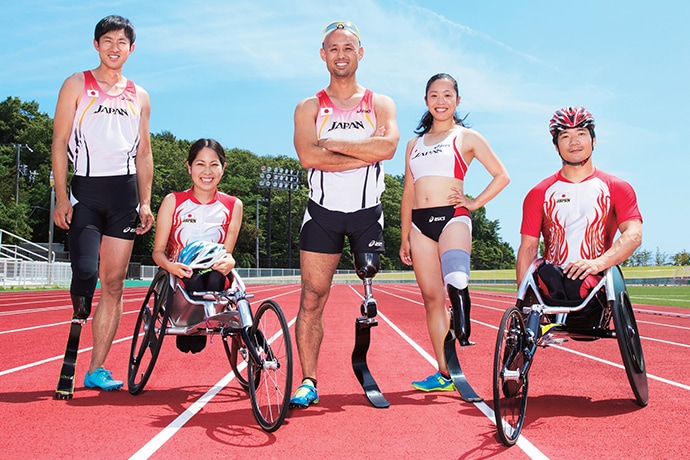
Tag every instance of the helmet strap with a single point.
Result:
(577, 163)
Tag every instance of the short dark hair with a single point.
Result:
(210, 143)
(114, 22)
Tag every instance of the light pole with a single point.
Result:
(51, 228)
(257, 233)
(19, 169)
(279, 179)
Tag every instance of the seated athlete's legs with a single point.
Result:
(454, 249)
(427, 269)
(207, 281)
(215, 281)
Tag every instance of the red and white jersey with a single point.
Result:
(578, 220)
(105, 131)
(354, 189)
(194, 221)
(442, 159)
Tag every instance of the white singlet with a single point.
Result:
(355, 189)
(105, 133)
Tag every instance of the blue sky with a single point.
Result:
(235, 71)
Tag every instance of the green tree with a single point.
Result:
(681, 258)
(639, 258)
(489, 252)
(23, 123)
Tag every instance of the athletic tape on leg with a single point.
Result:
(455, 266)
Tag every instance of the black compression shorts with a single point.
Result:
(324, 231)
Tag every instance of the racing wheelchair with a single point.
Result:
(538, 320)
(257, 344)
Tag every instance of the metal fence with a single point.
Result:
(26, 274)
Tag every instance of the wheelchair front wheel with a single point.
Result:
(270, 379)
(509, 383)
(148, 333)
(237, 353)
(628, 337)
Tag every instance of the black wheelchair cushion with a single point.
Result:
(191, 343)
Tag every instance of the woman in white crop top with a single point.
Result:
(436, 225)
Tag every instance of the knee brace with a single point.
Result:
(367, 264)
(455, 266)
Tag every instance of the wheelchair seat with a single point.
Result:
(577, 307)
(192, 312)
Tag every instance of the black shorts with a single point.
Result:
(324, 231)
(432, 221)
(110, 204)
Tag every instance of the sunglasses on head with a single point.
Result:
(345, 25)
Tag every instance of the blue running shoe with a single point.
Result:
(435, 382)
(304, 396)
(100, 378)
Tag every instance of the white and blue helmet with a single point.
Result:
(201, 254)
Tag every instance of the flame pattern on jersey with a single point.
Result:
(578, 220)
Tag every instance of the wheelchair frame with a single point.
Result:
(529, 325)
(261, 339)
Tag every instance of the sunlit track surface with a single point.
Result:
(580, 404)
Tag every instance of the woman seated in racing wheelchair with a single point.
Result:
(200, 214)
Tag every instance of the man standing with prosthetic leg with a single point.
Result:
(342, 135)
(102, 126)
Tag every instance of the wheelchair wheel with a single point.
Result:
(148, 333)
(509, 384)
(237, 353)
(270, 380)
(628, 337)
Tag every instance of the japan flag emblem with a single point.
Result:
(92, 92)
(326, 111)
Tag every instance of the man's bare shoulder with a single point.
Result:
(307, 107)
(308, 102)
(382, 100)
(74, 81)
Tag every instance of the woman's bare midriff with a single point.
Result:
(433, 191)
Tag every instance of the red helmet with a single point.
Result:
(571, 117)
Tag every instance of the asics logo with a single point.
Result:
(375, 244)
(437, 219)
(129, 230)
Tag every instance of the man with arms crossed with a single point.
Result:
(342, 135)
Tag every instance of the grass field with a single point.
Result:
(672, 296)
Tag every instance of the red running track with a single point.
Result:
(580, 404)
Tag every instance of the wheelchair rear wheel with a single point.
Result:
(628, 337)
(270, 379)
(149, 332)
(509, 384)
